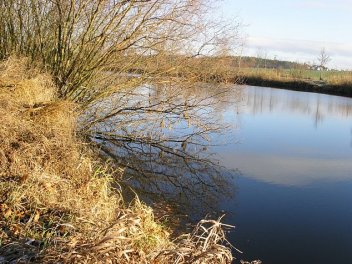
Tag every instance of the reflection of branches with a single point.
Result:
(160, 134)
(170, 174)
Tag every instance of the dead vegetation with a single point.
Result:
(57, 203)
(203, 245)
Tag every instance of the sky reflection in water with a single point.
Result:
(290, 138)
(293, 198)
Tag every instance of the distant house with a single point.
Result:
(318, 68)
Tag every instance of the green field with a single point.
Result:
(330, 77)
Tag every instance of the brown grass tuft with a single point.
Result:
(50, 184)
(204, 245)
(57, 203)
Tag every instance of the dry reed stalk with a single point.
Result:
(57, 204)
(49, 181)
(206, 244)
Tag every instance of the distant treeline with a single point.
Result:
(208, 68)
(209, 65)
(254, 62)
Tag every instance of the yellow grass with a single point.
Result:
(57, 203)
(342, 78)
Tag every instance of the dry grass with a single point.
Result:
(50, 185)
(342, 78)
(204, 245)
(57, 204)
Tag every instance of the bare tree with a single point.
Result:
(323, 60)
(127, 64)
(80, 42)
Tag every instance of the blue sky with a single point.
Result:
(295, 29)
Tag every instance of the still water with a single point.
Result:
(292, 197)
(286, 162)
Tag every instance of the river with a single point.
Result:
(293, 151)
(285, 162)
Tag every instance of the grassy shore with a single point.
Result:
(57, 203)
(218, 69)
(327, 82)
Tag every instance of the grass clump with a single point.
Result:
(57, 203)
(50, 184)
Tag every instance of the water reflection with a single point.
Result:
(291, 171)
(160, 135)
(289, 138)
(256, 100)
(294, 152)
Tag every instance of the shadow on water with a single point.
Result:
(161, 136)
(193, 185)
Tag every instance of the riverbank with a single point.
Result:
(216, 71)
(58, 203)
(343, 89)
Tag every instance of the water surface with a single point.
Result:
(290, 152)
(292, 202)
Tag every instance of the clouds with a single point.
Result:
(303, 50)
(297, 29)
(300, 46)
(324, 4)
(284, 45)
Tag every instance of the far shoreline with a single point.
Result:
(321, 87)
